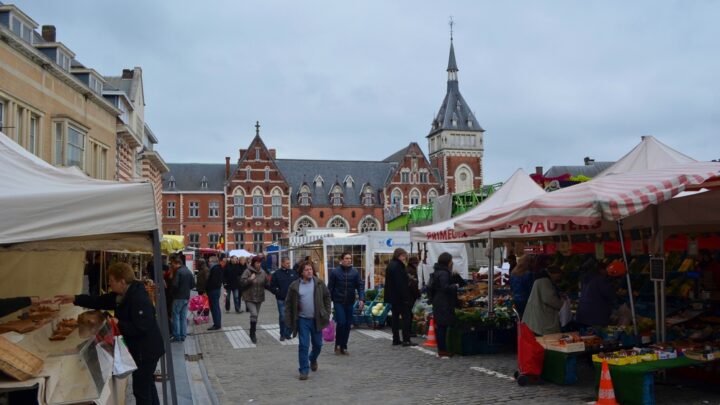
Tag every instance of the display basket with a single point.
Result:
(17, 362)
(378, 321)
(364, 316)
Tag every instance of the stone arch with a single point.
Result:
(464, 178)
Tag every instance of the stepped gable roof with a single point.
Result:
(299, 171)
(454, 108)
(188, 176)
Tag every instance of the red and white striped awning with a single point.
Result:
(609, 198)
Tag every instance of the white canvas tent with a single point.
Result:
(648, 154)
(50, 216)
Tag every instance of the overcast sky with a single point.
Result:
(550, 81)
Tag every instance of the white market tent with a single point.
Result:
(50, 216)
(648, 154)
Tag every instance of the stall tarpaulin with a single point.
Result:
(648, 154)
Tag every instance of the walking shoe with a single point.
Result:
(396, 343)
(282, 338)
(409, 344)
(337, 349)
(313, 365)
(345, 352)
(214, 328)
(303, 377)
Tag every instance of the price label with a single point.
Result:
(657, 268)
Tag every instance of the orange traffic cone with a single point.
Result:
(430, 341)
(606, 394)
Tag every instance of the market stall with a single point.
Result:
(50, 218)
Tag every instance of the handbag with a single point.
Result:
(328, 332)
(123, 363)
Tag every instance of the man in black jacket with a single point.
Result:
(214, 290)
(281, 280)
(136, 320)
(397, 293)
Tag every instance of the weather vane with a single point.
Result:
(451, 23)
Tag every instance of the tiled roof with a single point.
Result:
(188, 176)
(397, 156)
(591, 170)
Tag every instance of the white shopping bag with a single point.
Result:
(123, 363)
(565, 313)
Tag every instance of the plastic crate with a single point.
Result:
(378, 321)
(363, 317)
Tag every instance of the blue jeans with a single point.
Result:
(307, 332)
(236, 299)
(179, 318)
(284, 330)
(343, 319)
(214, 298)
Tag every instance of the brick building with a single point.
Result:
(264, 199)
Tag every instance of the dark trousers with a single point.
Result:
(441, 336)
(143, 383)
(343, 319)
(401, 311)
(214, 298)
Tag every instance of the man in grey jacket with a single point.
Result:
(183, 282)
(307, 312)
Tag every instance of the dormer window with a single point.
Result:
(368, 198)
(171, 182)
(349, 182)
(204, 183)
(22, 29)
(63, 60)
(304, 196)
(469, 123)
(336, 196)
(95, 84)
(319, 181)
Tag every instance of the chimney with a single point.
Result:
(538, 170)
(588, 161)
(227, 167)
(48, 33)
(127, 74)
(272, 153)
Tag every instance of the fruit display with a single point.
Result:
(377, 309)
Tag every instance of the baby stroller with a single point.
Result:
(530, 356)
(200, 306)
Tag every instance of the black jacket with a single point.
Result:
(344, 281)
(216, 278)
(397, 286)
(444, 296)
(231, 275)
(10, 305)
(280, 283)
(136, 320)
(183, 283)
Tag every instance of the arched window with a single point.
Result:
(338, 222)
(368, 197)
(463, 179)
(276, 203)
(239, 203)
(258, 203)
(304, 196)
(414, 197)
(396, 198)
(304, 222)
(369, 224)
(336, 196)
(432, 195)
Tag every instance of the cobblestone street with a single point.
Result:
(377, 372)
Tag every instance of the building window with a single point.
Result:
(267, 174)
(69, 145)
(303, 223)
(63, 60)
(276, 236)
(239, 240)
(319, 181)
(171, 182)
(22, 30)
(239, 204)
(396, 198)
(248, 170)
(97, 164)
(258, 204)
(213, 209)
(204, 183)
(336, 197)
(213, 238)
(338, 222)
(423, 177)
(194, 209)
(257, 153)
(276, 204)
(258, 242)
(171, 209)
(304, 198)
(414, 197)
(432, 195)
(172, 232)
(368, 199)
(194, 240)
(368, 224)
(349, 182)
(405, 177)
(95, 85)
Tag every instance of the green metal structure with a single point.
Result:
(462, 202)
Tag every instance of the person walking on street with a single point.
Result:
(398, 294)
(214, 290)
(307, 312)
(253, 283)
(344, 282)
(202, 276)
(183, 282)
(231, 279)
(444, 298)
(279, 284)
(136, 320)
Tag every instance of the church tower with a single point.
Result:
(455, 141)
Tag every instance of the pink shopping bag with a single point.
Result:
(329, 332)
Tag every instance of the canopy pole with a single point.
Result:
(166, 363)
(491, 275)
(627, 277)
(658, 250)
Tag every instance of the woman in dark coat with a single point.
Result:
(444, 299)
(136, 320)
(397, 293)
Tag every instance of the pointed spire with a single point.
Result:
(452, 64)
(257, 128)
